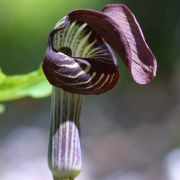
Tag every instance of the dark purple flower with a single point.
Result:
(79, 61)
(79, 58)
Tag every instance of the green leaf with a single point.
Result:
(2, 108)
(33, 84)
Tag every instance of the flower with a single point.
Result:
(79, 60)
(79, 56)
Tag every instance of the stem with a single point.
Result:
(61, 178)
(64, 155)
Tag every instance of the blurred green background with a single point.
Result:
(131, 133)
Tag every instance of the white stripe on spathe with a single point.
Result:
(64, 154)
(82, 43)
(71, 66)
(105, 81)
(71, 29)
(75, 37)
(100, 78)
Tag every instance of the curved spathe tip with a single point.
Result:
(119, 27)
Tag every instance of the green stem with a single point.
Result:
(64, 155)
(62, 178)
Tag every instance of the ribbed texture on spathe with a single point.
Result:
(64, 154)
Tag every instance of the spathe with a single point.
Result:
(115, 27)
(120, 29)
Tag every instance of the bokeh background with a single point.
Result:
(131, 133)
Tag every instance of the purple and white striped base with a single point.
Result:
(64, 155)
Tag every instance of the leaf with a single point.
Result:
(2, 108)
(2, 77)
(33, 84)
